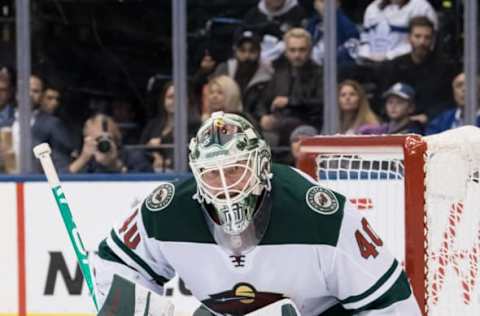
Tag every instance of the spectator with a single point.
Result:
(452, 118)
(102, 151)
(271, 19)
(36, 91)
(159, 130)
(299, 133)
(200, 80)
(433, 92)
(294, 96)
(46, 128)
(346, 32)
(7, 107)
(223, 95)
(50, 100)
(399, 106)
(249, 72)
(385, 26)
(7, 117)
(355, 111)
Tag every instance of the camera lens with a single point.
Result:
(104, 145)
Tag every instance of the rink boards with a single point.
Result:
(38, 267)
(39, 272)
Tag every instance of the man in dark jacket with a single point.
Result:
(251, 75)
(427, 72)
(294, 96)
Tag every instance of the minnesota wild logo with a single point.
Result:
(322, 201)
(242, 299)
(161, 197)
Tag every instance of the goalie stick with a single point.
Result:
(42, 152)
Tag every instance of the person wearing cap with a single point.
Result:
(248, 71)
(433, 92)
(453, 117)
(399, 106)
(299, 133)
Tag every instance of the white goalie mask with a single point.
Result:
(231, 165)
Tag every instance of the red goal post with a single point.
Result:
(421, 194)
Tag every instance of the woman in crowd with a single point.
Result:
(223, 95)
(159, 130)
(354, 108)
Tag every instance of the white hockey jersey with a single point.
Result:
(316, 251)
(385, 31)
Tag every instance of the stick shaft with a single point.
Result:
(73, 233)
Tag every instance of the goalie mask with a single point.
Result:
(231, 165)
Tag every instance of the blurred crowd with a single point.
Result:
(393, 77)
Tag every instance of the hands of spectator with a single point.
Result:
(89, 147)
(420, 118)
(110, 158)
(159, 162)
(279, 103)
(154, 141)
(267, 122)
(208, 63)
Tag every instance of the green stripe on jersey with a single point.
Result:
(399, 291)
(158, 278)
(337, 310)
(376, 286)
(106, 253)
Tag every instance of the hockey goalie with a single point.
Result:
(245, 234)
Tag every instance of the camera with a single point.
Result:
(104, 143)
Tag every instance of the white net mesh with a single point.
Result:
(374, 183)
(453, 222)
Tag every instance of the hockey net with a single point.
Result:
(422, 194)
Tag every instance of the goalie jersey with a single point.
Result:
(317, 251)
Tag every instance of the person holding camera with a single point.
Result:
(102, 151)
